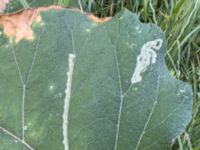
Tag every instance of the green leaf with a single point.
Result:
(82, 85)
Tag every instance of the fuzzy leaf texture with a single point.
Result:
(78, 84)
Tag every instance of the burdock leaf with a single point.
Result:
(73, 83)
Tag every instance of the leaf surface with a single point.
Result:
(83, 85)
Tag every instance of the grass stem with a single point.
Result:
(24, 3)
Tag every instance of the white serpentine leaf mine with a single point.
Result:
(145, 58)
(71, 61)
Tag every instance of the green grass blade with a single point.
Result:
(24, 3)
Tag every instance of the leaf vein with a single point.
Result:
(16, 138)
(150, 115)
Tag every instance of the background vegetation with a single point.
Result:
(179, 20)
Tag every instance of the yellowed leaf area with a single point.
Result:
(18, 26)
